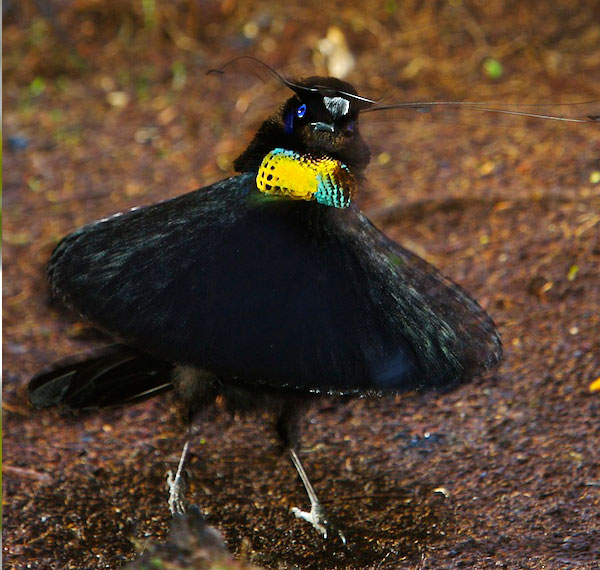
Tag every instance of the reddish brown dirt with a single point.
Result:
(116, 111)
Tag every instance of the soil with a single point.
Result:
(107, 106)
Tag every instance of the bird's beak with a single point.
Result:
(323, 127)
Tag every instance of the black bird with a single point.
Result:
(269, 288)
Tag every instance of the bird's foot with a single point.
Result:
(177, 489)
(318, 518)
(177, 484)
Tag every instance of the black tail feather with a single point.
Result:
(111, 376)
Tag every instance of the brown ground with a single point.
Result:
(116, 111)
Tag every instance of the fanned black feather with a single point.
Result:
(272, 291)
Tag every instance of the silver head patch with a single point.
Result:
(337, 106)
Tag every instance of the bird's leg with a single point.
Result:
(177, 484)
(196, 388)
(287, 428)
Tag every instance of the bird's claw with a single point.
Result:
(177, 502)
(317, 517)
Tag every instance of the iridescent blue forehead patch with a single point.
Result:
(337, 106)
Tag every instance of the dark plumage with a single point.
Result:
(228, 290)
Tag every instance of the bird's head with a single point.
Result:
(320, 120)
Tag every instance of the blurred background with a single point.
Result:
(107, 105)
(136, 71)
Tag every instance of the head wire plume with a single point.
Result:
(518, 110)
(359, 103)
(366, 105)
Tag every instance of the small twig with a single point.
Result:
(25, 473)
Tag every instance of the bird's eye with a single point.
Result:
(351, 127)
(288, 119)
(301, 111)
